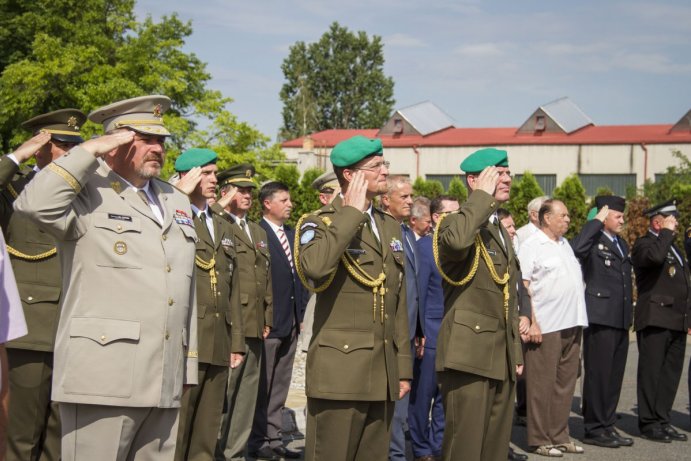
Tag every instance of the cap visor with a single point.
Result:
(67, 138)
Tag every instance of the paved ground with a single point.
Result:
(641, 450)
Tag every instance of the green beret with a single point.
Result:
(352, 150)
(195, 157)
(481, 159)
(238, 175)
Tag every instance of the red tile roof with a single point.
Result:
(451, 137)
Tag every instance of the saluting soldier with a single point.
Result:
(254, 273)
(127, 336)
(34, 422)
(359, 359)
(663, 310)
(219, 315)
(478, 347)
(607, 273)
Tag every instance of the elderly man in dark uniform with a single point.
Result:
(218, 307)
(34, 421)
(607, 272)
(478, 347)
(359, 360)
(663, 310)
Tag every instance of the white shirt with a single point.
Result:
(556, 282)
(523, 233)
(375, 230)
(247, 227)
(207, 218)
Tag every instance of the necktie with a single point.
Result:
(406, 237)
(616, 242)
(151, 204)
(243, 226)
(286, 247)
(208, 223)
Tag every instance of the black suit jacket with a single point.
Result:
(664, 298)
(289, 296)
(607, 275)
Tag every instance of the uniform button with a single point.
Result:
(345, 347)
(217, 315)
(103, 337)
(386, 341)
(168, 269)
(165, 237)
(386, 316)
(30, 298)
(170, 301)
(477, 327)
(216, 272)
(492, 204)
(118, 227)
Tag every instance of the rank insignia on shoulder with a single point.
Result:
(261, 244)
(308, 224)
(116, 186)
(306, 237)
(396, 244)
(326, 220)
(226, 242)
(182, 218)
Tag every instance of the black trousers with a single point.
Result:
(660, 362)
(604, 354)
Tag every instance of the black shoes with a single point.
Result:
(673, 434)
(656, 435)
(513, 456)
(604, 440)
(622, 441)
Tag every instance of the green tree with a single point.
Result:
(572, 193)
(430, 189)
(457, 189)
(522, 192)
(336, 82)
(90, 53)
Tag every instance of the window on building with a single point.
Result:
(547, 182)
(617, 183)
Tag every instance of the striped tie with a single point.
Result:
(286, 248)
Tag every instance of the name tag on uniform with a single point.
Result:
(119, 217)
(492, 252)
(355, 251)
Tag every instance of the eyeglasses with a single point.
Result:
(385, 164)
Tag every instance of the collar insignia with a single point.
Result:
(117, 187)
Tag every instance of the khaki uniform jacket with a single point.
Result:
(127, 334)
(219, 314)
(474, 336)
(38, 280)
(358, 351)
(254, 269)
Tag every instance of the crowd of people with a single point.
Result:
(152, 319)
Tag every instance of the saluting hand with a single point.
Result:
(602, 214)
(487, 180)
(670, 222)
(106, 143)
(188, 182)
(29, 148)
(224, 201)
(356, 195)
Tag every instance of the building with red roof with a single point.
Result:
(556, 140)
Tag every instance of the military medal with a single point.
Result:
(600, 246)
(261, 244)
(672, 271)
(120, 247)
(396, 244)
(226, 242)
(183, 218)
(608, 262)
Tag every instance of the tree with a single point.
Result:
(430, 189)
(336, 82)
(572, 193)
(457, 189)
(90, 53)
(522, 192)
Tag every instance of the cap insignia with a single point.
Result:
(248, 173)
(72, 123)
(157, 111)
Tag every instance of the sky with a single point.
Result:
(485, 63)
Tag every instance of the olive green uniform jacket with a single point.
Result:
(38, 280)
(475, 336)
(219, 314)
(359, 350)
(254, 273)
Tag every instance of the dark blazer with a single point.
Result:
(664, 298)
(431, 292)
(289, 296)
(415, 315)
(607, 275)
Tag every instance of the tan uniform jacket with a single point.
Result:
(38, 279)
(219, 314)
(254, 269)
(127, 334)
(474, 336)
(358, 351)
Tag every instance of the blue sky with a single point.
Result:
(485, 63)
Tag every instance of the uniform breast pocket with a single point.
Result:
(101, 356)
(473, 339)
(119, 239)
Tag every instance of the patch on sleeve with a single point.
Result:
(307, 225)
(306, 237)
